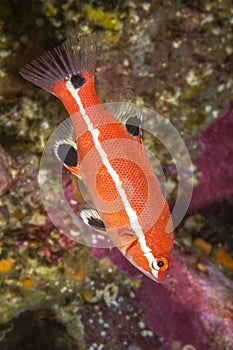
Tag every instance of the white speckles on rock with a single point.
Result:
(141, 325)
(221, 87)
(103, 334)
(63, 290)
(208, 108)
(177, 43)
(95, 346)
(146, 6)
(121, 300)
(192, 78)
(147, 333)
(188, 347)
(215, 114)
(45, 125)
(132, 295)
(228, 50)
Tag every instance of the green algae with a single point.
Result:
(102, 19)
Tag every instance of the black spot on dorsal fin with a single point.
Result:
(129, 115)
(77, 80)
(67, 154)
(92, 218)
(133, 125)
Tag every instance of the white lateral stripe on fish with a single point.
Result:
(133, 218)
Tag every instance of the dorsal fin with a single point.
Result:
(76, 54)
(130, 116)
(134, 126)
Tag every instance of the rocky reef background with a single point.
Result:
(176, 58)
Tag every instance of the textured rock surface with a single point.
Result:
(214, 165)
(193, 306)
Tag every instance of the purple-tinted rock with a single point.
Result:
(191, 307)
(215, 164)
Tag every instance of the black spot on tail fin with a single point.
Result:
(130, 116)
(77, 54)
(133, 125)
(77, 80)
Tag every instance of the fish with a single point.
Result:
(107, 153)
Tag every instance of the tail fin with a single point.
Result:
(77, 54)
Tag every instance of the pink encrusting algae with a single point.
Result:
(215, 165)
(191, 307)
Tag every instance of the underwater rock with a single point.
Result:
(41, 328)
(215, 164)
(7, 176)
(192, 307)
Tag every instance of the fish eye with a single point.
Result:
(160, 263)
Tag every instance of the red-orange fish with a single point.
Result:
(107, 153)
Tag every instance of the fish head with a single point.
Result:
(157, 269)
(152, 256)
